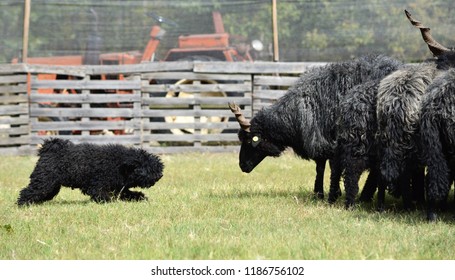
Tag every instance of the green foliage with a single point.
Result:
(206, 208)
(308, 30)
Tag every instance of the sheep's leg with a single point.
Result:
(370, 186)
(404, 185)
(418, 185)
(351, 182)
(431, 210)
(438, 180)
(319, 182)
(335, 176)
(381, 195)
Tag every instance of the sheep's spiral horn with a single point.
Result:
(435, 47)
(244, 123)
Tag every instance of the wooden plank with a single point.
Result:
(175, 76)
(142, 68)
(76, 71)
(13, 79)
(228, 137)
(255, 67)
(13, 88)
(20, 130)
(189, 113)
(12, 68)
(191, 149)
(194, 125)
(242, 87)
(14, 109)
(80, 112)
(16, 151)
(196, 100)
(89, 125)
(83, 70)
(274, 80)
(86, 84)
(199, 67)
(97, 139)
(258, 106)
(22, 120)
(82, 98)
(269, 94)
(9, 141)
(6, 99)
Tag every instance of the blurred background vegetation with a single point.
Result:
(309, 30)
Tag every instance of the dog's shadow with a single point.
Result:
(88, 202)
(68, 202)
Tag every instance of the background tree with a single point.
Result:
(309, 30)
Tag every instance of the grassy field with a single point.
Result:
(206, 208)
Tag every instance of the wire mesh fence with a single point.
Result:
(308, 30)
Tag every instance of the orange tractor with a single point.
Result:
(209, 46)
(204, 47)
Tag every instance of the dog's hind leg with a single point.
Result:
(38, 192)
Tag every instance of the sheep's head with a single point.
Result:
(436, 48)
(254, 147)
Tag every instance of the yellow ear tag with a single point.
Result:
(255, 139)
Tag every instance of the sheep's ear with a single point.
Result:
(255, 141)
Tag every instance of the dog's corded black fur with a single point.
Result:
(104, 172)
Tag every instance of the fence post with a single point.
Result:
(86, 105)
(144, 107)
(137, 112)
(27, 7)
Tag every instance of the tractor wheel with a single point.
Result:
(52, 119)
(189, 119)
(183, 94)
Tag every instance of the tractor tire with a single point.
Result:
(181, 94)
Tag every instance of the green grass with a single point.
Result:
(206, 208)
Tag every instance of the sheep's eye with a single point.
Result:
(255, 141)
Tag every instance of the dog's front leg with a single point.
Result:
(128, 195)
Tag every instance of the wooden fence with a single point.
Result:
(164, 107)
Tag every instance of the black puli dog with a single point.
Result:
(104, 172)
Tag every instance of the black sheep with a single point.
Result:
(356, 131)
(398, 111)
(437, 139)
(304, 119)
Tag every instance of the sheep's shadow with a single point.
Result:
(303, 195)
(393, 209)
